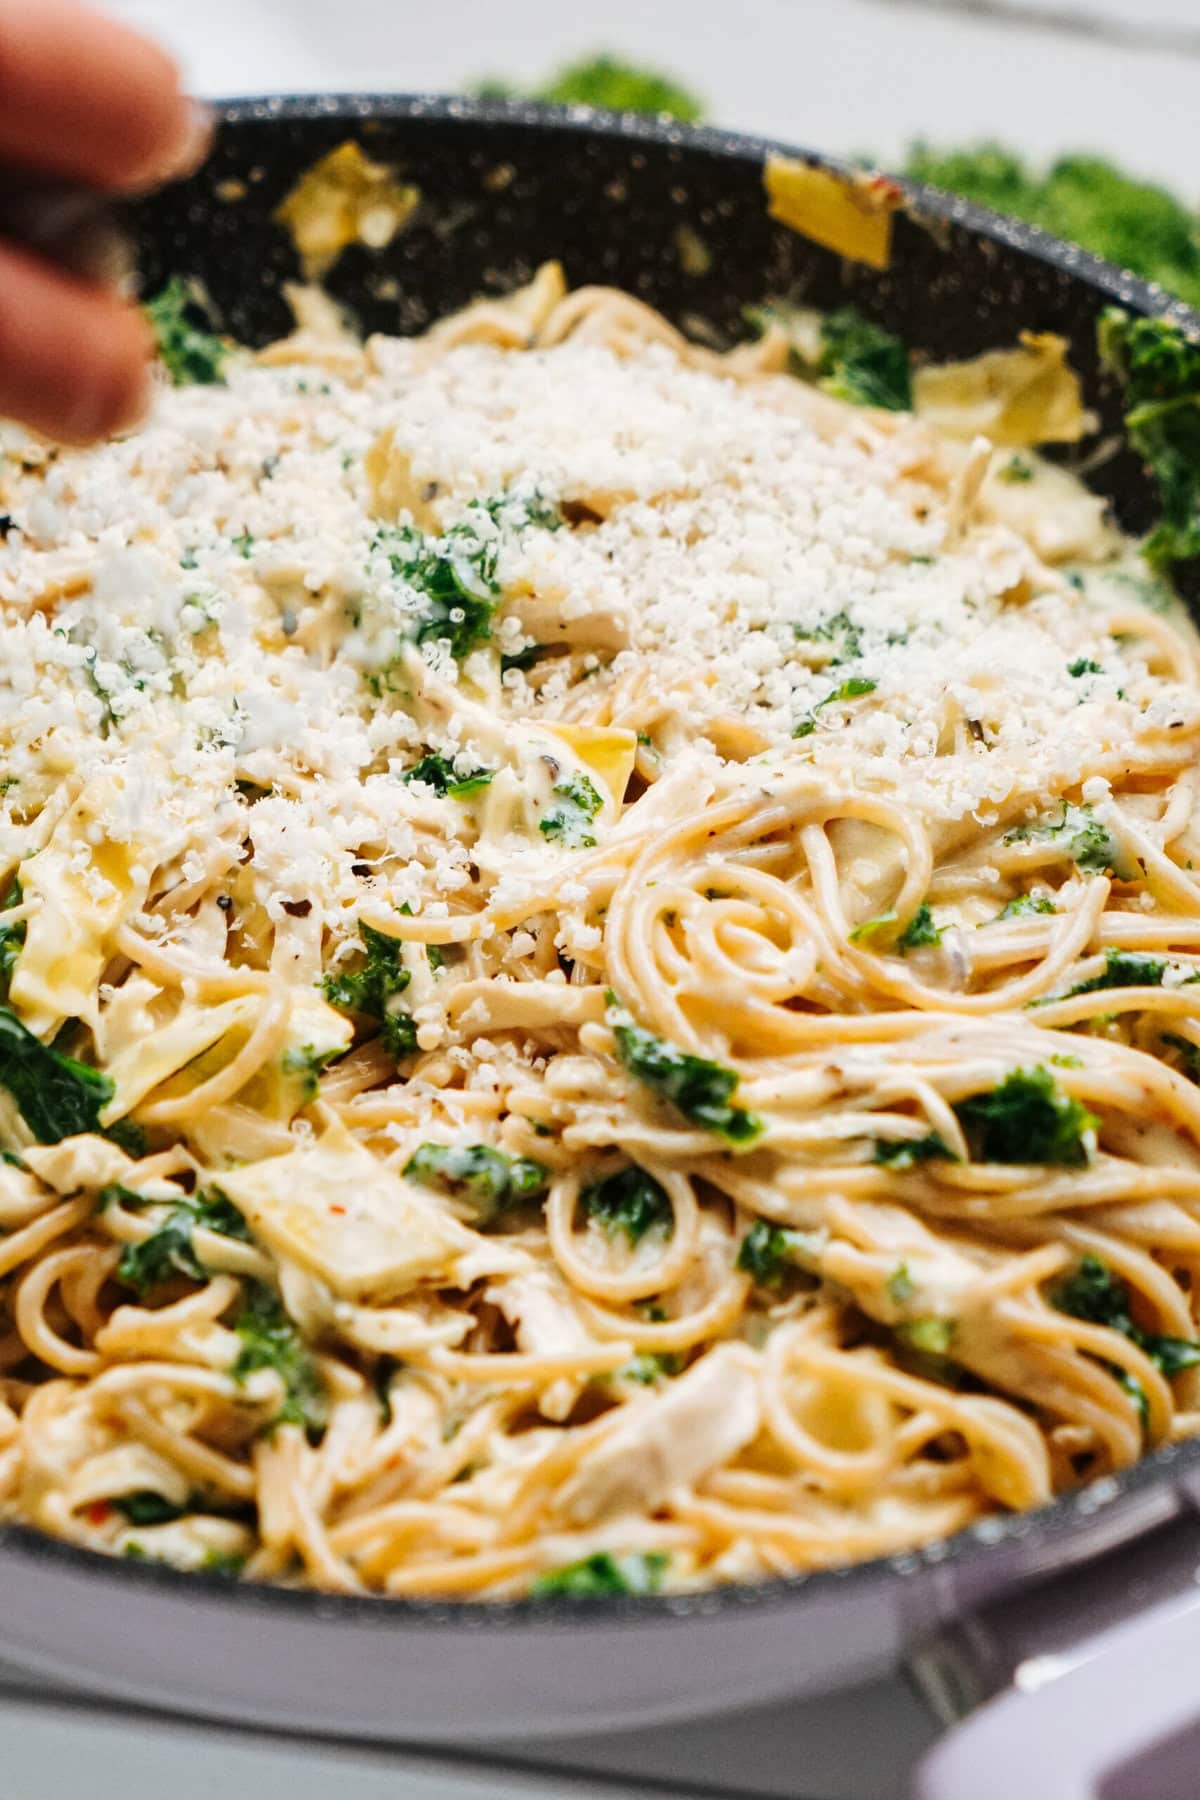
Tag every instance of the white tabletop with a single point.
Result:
(839, 75)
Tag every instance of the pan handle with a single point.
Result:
(1122, 1725)
(1085, 1714)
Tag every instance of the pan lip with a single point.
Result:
(1029, 1534)
(1032, 1535)
(1118, 285)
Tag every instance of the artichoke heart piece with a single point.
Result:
(607, 752)
(345, 198)
(1017, 398)
(79, 889)
(341, 1215)
(849, 212)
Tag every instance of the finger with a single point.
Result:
(90, 101)
(74, 360)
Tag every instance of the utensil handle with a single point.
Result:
(1122, 1724)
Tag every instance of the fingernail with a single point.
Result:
(187, 154)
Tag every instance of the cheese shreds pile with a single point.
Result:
(584, 921)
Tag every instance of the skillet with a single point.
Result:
(505, 186)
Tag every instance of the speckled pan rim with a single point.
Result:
(1038, 1533)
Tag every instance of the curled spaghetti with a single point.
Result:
(602, 970)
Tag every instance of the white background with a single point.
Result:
(838, 75)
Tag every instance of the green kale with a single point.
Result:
(1084, 665)
(169, 1250)
(872, 928)
(852, 689)
(570, 821)
(767, 1252)
(228, 1563)
(1085, 839)
(602, 1574)
(1025, 904)
(901, 1287)
(455, 575)
(440, 774)
(1095, 1294)
(372, 987)
(244, 545)
(1027, 1119)
(128, 1136)
(864, 364)
(920, 931)
(1122, 969)
(271, 1341)
(649, 1369)
(12, 937)
(838, 631)
(145, 1507)
(56, 1096)
(1135, 224)
(931, 1336)
(1189, 1054)
(309, 1064)
(905, 1153)
(631, 1202)
(382, 1376)
(618, 86)
(1160, 369)
(490, 1181)
(696, 1087)
(517, 512)
(191, 356)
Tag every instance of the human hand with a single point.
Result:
(82, 101)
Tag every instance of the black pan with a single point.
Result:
(604, 194)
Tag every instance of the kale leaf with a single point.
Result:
(609, 82)
(641, 1572)
(696, 1087)
(12, 937)
(191, 356)
(1189, 1054)
(905, 1153)
(631, 1202)
(864, 364)
(1028, 1119)
(768, 1251)
(1095, 1294)
(570, 821)
(1160, 369)
(920, 931)
(169, 1250)
(851, 689)
(145, 1507)
(56, 1096)
(1123, 968)
(371, 987)
(439, 773)
(271, 1341)
(1087, 840)
(489, 1180)
(1023, 905)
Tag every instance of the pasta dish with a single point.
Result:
(600, 957)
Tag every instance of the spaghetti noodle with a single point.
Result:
(602, 966)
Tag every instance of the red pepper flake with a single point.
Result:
(99, 1512)
(337, 1209)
